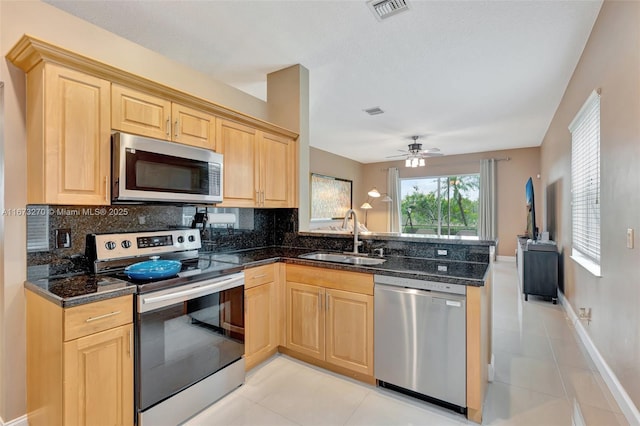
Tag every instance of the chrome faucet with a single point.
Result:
(356, 243)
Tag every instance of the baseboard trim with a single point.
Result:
(621, 396)
(18, 421)
(506, 259)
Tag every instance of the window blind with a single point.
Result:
(585, 179)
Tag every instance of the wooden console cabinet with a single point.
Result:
(538, 271)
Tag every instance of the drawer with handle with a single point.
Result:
(259, 275)
(93, 317)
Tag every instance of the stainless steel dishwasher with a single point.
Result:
(420, 339)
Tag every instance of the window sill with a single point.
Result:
(586, 263)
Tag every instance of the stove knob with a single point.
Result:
(110, 245)
(181, 239)
(126, 244)
(191, 238)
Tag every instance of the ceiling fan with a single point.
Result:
(415, 155)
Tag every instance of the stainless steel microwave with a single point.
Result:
(145, 169)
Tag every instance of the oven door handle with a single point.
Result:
(201, 290)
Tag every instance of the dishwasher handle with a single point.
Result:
(449, 297)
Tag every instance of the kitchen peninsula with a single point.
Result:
(277, 278)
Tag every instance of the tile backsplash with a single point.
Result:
(254, 227)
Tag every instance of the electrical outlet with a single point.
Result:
(585, 314)
(63, 238)
(630, 238)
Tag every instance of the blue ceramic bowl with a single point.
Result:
(153, 269)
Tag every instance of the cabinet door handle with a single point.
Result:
(106, 189)
(168, 126)
(259, 276)
(99, 317)
(130, 343)
(175, 129)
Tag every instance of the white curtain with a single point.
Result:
(487, 229)
(393, 185)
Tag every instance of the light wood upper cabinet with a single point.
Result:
(147, 115)
(277, 171)
(140, 113)
(193, 127)
(74, 102)
(327, 322)
(259, 168)
(80, 372)
(68, 137)
(237, 143)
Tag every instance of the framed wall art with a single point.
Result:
(331, 197)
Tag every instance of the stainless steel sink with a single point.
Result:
(351, 259)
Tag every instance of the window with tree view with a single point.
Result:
(440, 205)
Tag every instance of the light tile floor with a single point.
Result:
(543, 375)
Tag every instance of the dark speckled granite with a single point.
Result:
(465, 273)
(80, 289)
(468, 250)
(270, 227)
(274, 238)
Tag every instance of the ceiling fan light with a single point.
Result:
(374, 193)
(414, 162)
(422, 163)
(407, 162)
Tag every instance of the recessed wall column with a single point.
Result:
(288, 106)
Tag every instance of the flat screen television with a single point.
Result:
(532, 230)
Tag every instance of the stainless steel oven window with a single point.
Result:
(182, 343)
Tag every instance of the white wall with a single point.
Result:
(611, 62)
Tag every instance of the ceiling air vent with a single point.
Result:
(374, 111)
(384, 9)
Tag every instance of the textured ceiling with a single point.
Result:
(468, 76)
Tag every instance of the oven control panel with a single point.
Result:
(133, 244)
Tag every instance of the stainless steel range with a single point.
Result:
(189, 340)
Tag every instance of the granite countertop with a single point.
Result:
(469, 240)
(80, 288)
(457, 272)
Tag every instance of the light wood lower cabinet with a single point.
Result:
(328, 322)
(305, 319)
(98, 385)
(80, 362)
(261, 314)
(349, 330)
